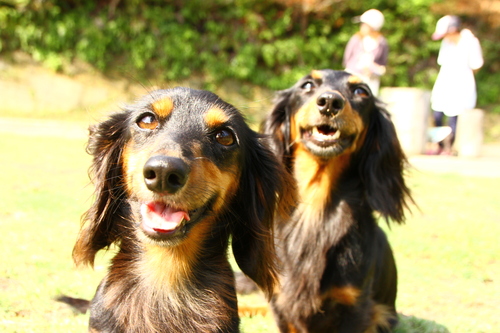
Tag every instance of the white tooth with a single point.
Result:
(316, 132)
(336, 135)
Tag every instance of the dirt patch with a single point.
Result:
(487, 165)
(30, 90)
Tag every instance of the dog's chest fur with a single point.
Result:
(320, 228)
(135, 302)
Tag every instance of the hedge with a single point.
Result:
(267, 43)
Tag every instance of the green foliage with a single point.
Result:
(257, 41)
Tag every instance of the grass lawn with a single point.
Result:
(448, 253)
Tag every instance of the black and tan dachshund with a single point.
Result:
(177, 174)
(338, 274)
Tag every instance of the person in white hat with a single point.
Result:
(366, 52)
(454, 91)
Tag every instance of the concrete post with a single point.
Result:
(410, 109)
(469, 137)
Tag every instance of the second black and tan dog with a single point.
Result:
(338, 273)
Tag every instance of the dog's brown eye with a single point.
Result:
(361, 92)
(308, 86)
(147, 121)
(225, 137)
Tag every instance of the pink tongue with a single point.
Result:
(162, 218)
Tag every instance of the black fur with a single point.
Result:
(338, 267)
(156, 283)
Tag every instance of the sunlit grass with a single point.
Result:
(447, 253)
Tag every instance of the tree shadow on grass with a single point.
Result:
(410, 324)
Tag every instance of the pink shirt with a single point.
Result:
(358, 57)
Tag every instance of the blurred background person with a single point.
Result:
(366, 52)
(454, 91)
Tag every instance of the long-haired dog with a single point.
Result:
(338, 274)
(177, 175)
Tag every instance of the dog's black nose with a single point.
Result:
(330, 103)
(164, 174)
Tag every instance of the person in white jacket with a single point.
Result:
(455, 88)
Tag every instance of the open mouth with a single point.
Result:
(322, 135)
(326, 140)
(161, 221)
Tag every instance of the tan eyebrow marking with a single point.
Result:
(353, 79)
(163, 107)
(216, 117)
(315, 74)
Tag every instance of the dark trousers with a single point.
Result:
(452, 122)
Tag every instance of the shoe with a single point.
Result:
(434, 152)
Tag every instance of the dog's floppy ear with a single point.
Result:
(277, 125)
(100, 224)
(382, 167)
(265, 189)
